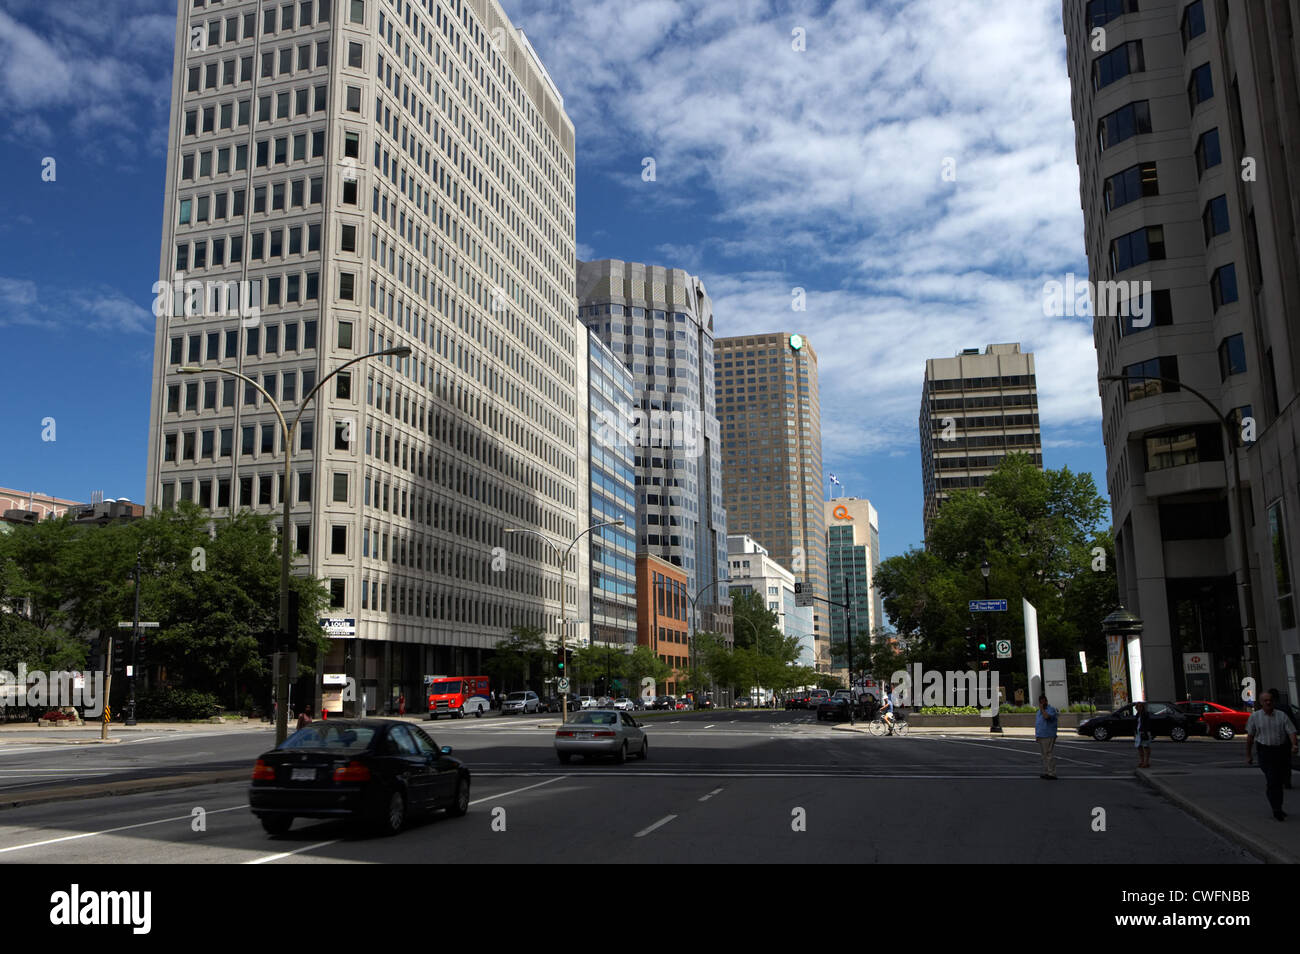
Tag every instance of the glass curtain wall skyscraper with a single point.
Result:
(659, 323)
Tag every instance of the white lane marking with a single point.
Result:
(325, 844)
(285, 854)
(705, 798)
(659, 824)
(515, 791)
(714, 726)
(110, 831)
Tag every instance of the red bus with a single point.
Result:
(456, 695)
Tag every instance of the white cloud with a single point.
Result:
(824, 169)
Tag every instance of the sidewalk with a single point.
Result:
(26, 733)
(1232, 802)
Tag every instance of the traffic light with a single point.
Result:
(140, 649)
(983, 646)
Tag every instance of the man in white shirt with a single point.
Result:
(1271, 730)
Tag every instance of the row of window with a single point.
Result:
(973, 384)
(260, 341)
(271, 383)
(1144, 376)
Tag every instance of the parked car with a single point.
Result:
(375, 771)
(555, 703)
(665, 702)
(684, 704)
(1221, 721)
(744, 702)
(521, 703)
(706, 702)
(588, 702)
(624, 704)
(1165, 717)
(797, 700)
(601, 732)
(837, 707)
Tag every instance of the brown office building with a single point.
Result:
(661, 620)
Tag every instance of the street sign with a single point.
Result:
(803, 594)
(988, 606)
(338, 628)
(563, 685)
(1004, 648)
(130, 625)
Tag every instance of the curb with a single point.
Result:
(1216, 822)
(128, 787)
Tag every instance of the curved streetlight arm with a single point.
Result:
(1250, 645)
(402, 352)
(243, 377)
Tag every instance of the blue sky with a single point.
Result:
(775, 168)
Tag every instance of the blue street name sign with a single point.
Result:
(988, 606)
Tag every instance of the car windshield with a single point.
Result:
(321, 735)
(595, 718)
(516, 697)
(446, 688)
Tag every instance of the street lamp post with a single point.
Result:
(996, 724)
(564, 617)
(287, 429)
(1250, 645)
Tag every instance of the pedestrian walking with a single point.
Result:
(1272, 730)
(304, 718)
(401, 704)
(1142, 735)
(1045, 726)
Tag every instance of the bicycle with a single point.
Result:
(878, 726)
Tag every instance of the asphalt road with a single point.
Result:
(751, 787)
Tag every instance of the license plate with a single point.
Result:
(302, 775)
(586, 735)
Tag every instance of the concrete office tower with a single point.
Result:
(852, 556)
(383, 175)
(612, 487)
(659, 322)
(1186, 129)
(769, 407)
(753, 569)
(975, 410)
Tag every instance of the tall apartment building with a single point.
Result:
(752, 569)
(769, 408)
(1188, 140)
(976, 408)
(852, 556)
(379, 174)
(659, 323)
(611, 397)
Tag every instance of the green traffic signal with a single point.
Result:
(983, 646)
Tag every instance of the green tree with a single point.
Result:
(1039, 532)
(519, 658)
(642, 663)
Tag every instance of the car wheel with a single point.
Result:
(460, 713)
(390, 816)
(478, 713)
(645, 750)
(564, 757)
(1225, 732)
(1101, 733)
(460, 804)
(621, 756)
(276, 824)
(1178, 733)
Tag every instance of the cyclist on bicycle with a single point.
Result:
(887, 707)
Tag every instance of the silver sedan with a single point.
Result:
(601, 732)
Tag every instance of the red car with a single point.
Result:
(1223, 722)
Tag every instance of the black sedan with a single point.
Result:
(1165, 720)
(375, 771)
(836, 708)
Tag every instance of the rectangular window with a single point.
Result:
(1124, 123)
(1144, 378)
(1101, 12)
(347, 282)
(340, 488)
(1281, 565)
(1156, 312)
(1214, 219)
(1200, 87)
(1120, 62)
(1208, 153)
(354, 99)
(1135, 248)
(1193, 24)
(348, 238)
(357, 12)
(1185, 445)
(339, 541)
(345, 335)
(1232, 356)
(1135, 182)
(1223, 286)
(354, 56)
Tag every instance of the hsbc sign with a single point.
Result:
(1196, 663)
